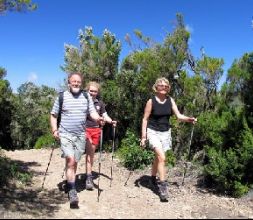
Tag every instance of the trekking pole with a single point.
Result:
(50, 158)
(113, 147)
(188, 155)
(131, 170)
(99, 162)
(130, 174)
(64, 171)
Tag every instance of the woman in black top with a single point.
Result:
(156, 129)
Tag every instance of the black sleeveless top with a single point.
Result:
(160, 115)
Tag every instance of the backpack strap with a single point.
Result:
(60, 108)
(85, 94)
(60, 100)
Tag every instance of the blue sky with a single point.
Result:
(32, 44)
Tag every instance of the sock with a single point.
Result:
(71, 185)
(88, 175)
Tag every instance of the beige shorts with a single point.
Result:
(72, 146)
(159, 139)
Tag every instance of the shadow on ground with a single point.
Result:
(29, 202)
(145, 181)
(21, 200)
(80, 182)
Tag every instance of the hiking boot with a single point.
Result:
(163, 191)
(73, 199)
(153, 182)
(89, 183)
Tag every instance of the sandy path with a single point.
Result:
(134, 200)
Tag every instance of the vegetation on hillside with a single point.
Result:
(222, 137)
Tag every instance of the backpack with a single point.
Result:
(61, 103)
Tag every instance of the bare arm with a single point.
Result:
(95, 116)
(180, 116)
(147, 113)
(53, 123)
(108, 119)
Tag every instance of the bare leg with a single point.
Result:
(71, 166)
(154, 167)
(90, 153)
(159, 164)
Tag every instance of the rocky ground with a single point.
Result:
(129, 196)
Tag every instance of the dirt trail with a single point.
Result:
(134, 200)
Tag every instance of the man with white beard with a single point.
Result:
(71, 129)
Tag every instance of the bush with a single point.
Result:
(170, 158)
(132, 155)
(229, 166)
(44, 141)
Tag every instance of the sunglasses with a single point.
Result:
(75, 82)
(163, 86)
(94, 91)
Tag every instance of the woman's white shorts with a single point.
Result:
(159, 139)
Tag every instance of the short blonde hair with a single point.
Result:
(158, 81)
(93, 83)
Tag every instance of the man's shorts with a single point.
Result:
(72, 145)
(93, 135)
(159, 139)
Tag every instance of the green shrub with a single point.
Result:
(107, 146)
(170, 158)
(44, 141)
(132, 155)
(229, 166)
(240, 189)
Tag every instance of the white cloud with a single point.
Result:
(189, 28)
(32, 77)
